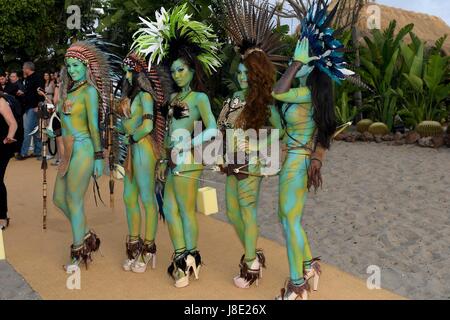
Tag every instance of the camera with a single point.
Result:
(45, 110)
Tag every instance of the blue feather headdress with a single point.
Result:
(316, 27)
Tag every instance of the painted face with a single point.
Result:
(181, 73)
(128, 73)
(242, 76)
(304, 71)
(76, 69)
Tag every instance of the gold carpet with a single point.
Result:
(39, 255)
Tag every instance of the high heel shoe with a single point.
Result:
(78, 255)
(148, 253)
(249, 275)
(193, 263)
(178, 270)
(92, 242)
(294, 292)
(133, 249)
(313, 272)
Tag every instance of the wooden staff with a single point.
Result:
(110, 148)
(44, 167)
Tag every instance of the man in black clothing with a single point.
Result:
(31, 99)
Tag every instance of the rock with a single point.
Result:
(438, 141)
(398, 136)
(425, 142)
(447, 140)
(340, 137)
(412, 137)
(378, 138)
(350, 138)
(367, 136)
(387, 137)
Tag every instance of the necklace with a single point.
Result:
(182, 95)
(77, 85)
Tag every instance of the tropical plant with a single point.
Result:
(344, 111)
(379, 69)
(423, 93)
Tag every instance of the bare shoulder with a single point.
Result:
(90, 90)
(201, 96)
(146, 96)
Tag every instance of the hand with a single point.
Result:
(41, 92)
(9, 140)
(20, 93)
(301, 53)
(35, 109)
(314, 174)
(98, 168)
(161, 171)
(50, 133)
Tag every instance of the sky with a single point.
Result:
(439, 8)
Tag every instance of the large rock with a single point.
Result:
(412, 137)
(387, 137)
(425, 142)
(438, 141)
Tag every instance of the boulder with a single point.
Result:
(412, 137)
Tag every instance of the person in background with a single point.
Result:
(2, 82)
(14, 87)
(49, 86)
(31, 100)
(59, 141)
(8, 128)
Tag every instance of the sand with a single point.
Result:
(38, 256)
(380, 205)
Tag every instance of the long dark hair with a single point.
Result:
(322, 96)
(131, 90)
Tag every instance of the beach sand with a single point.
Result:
(38, 255)
(381, 205)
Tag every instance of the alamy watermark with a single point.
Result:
(74, 20)
(374, 280)
(242, 147)
(73, 281)
(374, 17)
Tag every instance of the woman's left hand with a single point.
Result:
(98, 168)
(302, 52)
(314, 174)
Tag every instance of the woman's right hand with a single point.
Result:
(161, 171)
(301, 53)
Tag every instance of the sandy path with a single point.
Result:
(38, 256)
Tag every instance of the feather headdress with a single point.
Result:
(172, 32)
(98, 75)
(156, 81)
(316, 27)
(250, 27)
